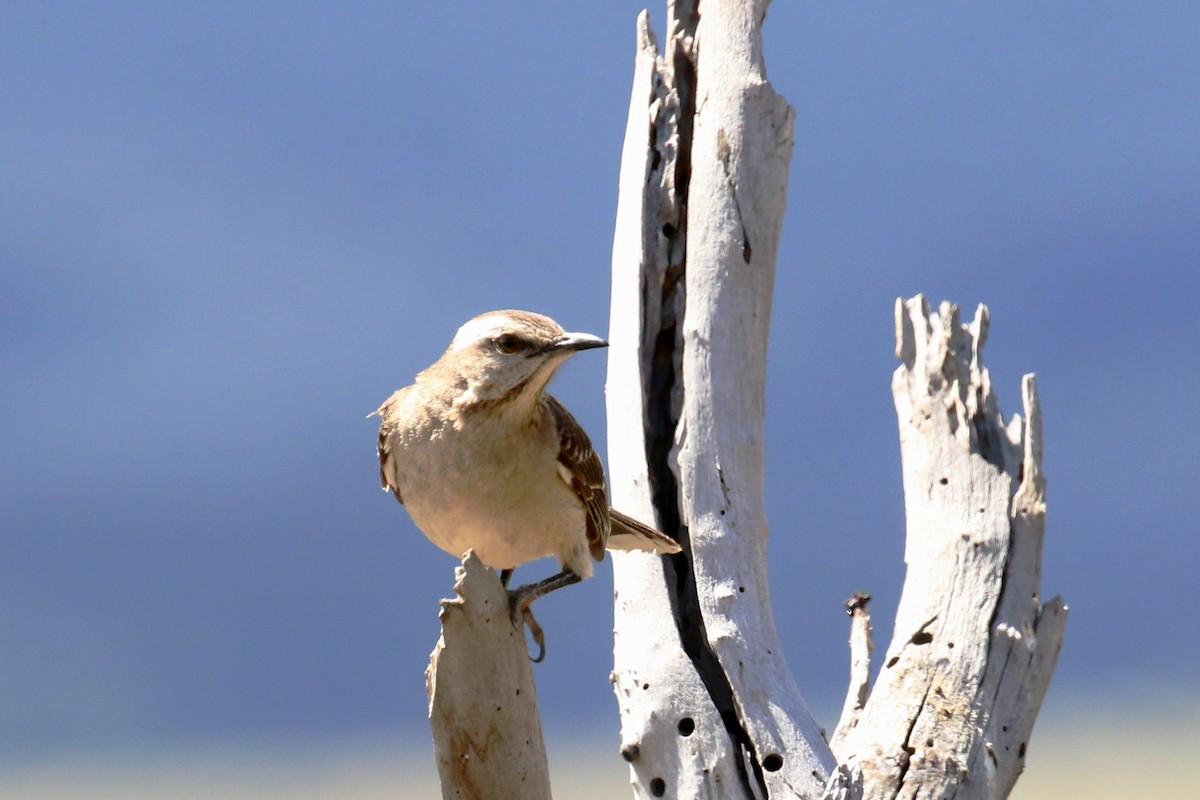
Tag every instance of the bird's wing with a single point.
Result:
(387, 425)
(582, 471)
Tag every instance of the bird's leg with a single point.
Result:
(522, 597)
(520, 600)
(505, 577)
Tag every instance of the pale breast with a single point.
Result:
(468, 486)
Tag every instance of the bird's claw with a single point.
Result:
(520, 612)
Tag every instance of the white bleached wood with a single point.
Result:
(704, 106)
(741, 151)
(973, 647)
(860, 671)
(487, 736)
(659, 694)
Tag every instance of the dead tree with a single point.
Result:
(708, 707)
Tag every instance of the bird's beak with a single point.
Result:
(570, 342)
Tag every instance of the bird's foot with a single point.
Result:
(520, 600)
(519, 610)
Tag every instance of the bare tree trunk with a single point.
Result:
(708, 706)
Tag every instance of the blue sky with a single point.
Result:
(227, 233)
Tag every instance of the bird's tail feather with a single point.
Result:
(629, 534)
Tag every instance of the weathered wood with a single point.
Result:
(487, 736)
(708, 706)
(860, 671)
(671, 733)
(973, 648)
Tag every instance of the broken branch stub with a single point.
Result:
(487, 735)
(859, 689)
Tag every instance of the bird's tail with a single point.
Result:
(629, 534)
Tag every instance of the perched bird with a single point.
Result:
(485, 460)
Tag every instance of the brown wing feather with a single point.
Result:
(587, 475)
(384, 446)
(629, 534)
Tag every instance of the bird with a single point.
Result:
(484, 458)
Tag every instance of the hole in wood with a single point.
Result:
(922, 637)
(658, 787)
(687, 726)
(773, 762)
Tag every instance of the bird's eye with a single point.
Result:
(507, 343)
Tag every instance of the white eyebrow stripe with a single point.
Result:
(481, 328)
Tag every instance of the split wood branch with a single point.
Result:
(708, 706)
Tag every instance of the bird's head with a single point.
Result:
(510, 355)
